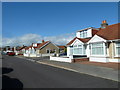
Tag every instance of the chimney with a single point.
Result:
(104, 24)
(43, 41)
(32, 44)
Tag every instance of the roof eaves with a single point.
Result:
(44, 44)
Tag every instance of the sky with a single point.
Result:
(30, 22)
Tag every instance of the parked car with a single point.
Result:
(62, 54)
(11, 53)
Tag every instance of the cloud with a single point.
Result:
(28, 39)
(23, 40)
(61, 39)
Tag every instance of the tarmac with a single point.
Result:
(97, 71)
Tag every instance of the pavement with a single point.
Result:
(97, 71)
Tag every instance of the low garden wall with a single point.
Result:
(61, 59)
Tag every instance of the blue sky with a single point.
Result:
(49, 19)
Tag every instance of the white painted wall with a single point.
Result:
(68, 51)
(89, 33)
(87, 51)
(103, 59)
(77, 42)
(96, 38)
(114, 60)
(78, 34)
(26, 55)
(61, 59)
(35, 45)
(99, 59)
(32, 55)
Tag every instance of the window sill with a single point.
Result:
(98, 56)
(117, 56)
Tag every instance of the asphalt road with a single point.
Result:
(21, 73)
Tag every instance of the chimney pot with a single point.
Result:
(104, 24)
(104, 21)
(43, 41)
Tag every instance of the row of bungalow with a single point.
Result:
(45, 48)
(98, 44)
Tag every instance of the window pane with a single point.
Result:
(118, 44)
(93, 50)
(97, 45)
(80, 46)
(75, 46)
(77, 50)
(118, 50)
(71, 51)
(83, 50)
(97, 49)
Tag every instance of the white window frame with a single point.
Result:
(71, 50)
(83, 34)
(104, 49)
(116, 54)
(77, 46)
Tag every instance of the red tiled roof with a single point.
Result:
(26, 48)
(62, 47)
(72, 41)
(42, 44)
(111, 32)
(81, 39)
(94, 31)
(22, 48)
(84, 40)
(39, 45)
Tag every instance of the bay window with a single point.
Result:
(78, 50)
(97, 49)
(118, 48)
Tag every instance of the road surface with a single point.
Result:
(21, 73)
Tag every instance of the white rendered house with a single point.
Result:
(78, 46)
(105, 45)
(99, 45)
